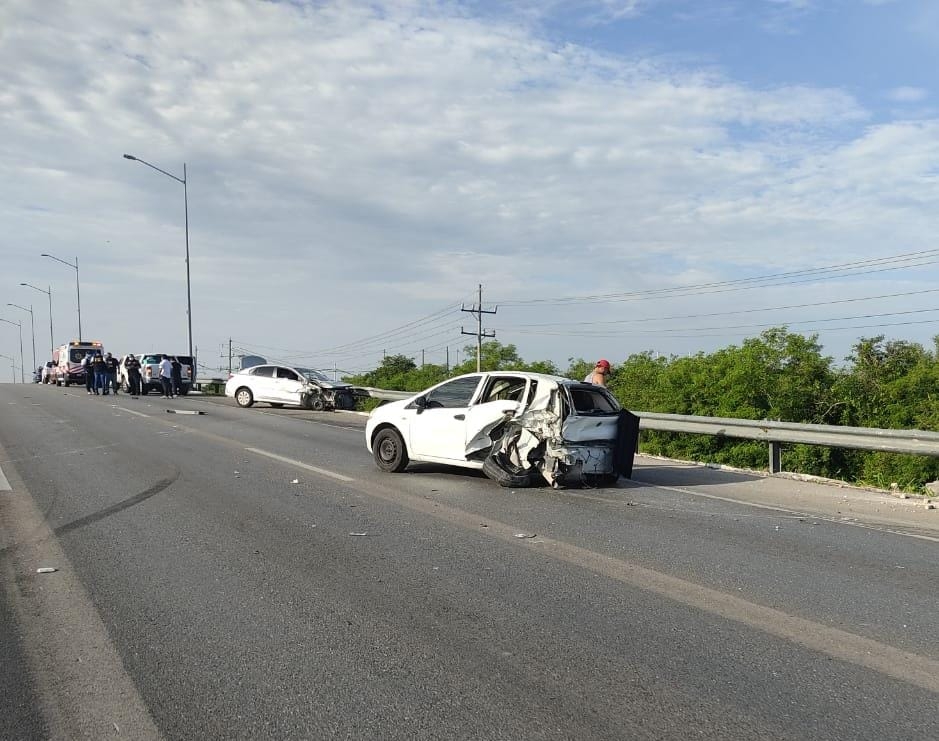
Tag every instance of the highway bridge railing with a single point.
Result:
(775, 434)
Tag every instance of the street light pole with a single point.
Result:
(20, 325)
(12, 366)
(78, 290)
(184, 181)
(49, 293)
(32, 322)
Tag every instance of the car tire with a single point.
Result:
(244, 397)
(506, 474)
(183, 390)
(125, 387)
(601, 480)
(316, 403)
(389, 450)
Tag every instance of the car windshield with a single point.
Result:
(313, 375)
(76, 355)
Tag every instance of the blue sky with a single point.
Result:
(620, 175)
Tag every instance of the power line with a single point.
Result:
(905, 260)
(721, 313)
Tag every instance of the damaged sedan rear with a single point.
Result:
(519, 428)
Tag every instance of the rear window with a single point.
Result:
(263, 370)
(594, 400)
(151, 359)
(184, 359)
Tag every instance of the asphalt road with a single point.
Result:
(249, 573)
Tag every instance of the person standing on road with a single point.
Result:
(132, 366)
(177, 375)
(166, 377)
(599, 375)
(101, 373)
(110, 363)
(88, 367)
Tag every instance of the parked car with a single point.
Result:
(280, 385)
(150, 372)
(514, 426)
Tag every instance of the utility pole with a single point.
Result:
(422, 357)
(478, 310)
(229, 356)
(448, 360)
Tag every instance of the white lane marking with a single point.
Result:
(299, 464)
(794, 512)
(311, 421)
(130, 411)
(4, 484)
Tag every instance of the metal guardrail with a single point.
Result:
(913, 442)
(385, 394)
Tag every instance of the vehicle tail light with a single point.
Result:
(148, 371)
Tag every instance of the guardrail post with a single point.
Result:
(775, 450)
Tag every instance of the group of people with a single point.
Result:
(101, 373)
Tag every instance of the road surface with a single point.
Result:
(250, 574)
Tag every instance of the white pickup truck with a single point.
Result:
(150, 372)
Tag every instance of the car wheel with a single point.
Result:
(506, 474)
(244, 397)
(389, 451)
(183, 390)
(316, 403)
(125, 387)
(276, 405)
(601, 480)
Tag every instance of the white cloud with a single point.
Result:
(353, 166)
(908, 94)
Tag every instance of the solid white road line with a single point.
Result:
(299, 464)
(4, 484)
(130, 411)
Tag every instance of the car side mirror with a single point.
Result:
(420, 403)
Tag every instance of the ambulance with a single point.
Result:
(68, 361)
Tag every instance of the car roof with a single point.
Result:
(526, 374)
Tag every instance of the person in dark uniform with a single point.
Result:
(111, 364)
(177, 374)
(100, 372)
(132, 366)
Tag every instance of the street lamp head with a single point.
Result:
(129, 157)
(45, 255)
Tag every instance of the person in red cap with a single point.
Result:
(599, 374)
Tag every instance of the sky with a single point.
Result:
(620, 176)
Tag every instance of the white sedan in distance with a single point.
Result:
(515, 426)
(280, 385)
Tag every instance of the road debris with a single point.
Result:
(358, 535)
(184, 411)
(295, 481)
(526, 535)
(46, 570)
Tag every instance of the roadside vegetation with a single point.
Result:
(779, 375)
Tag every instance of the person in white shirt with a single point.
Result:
(599, 375)
(166, 377)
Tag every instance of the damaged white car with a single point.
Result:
(515, 426)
